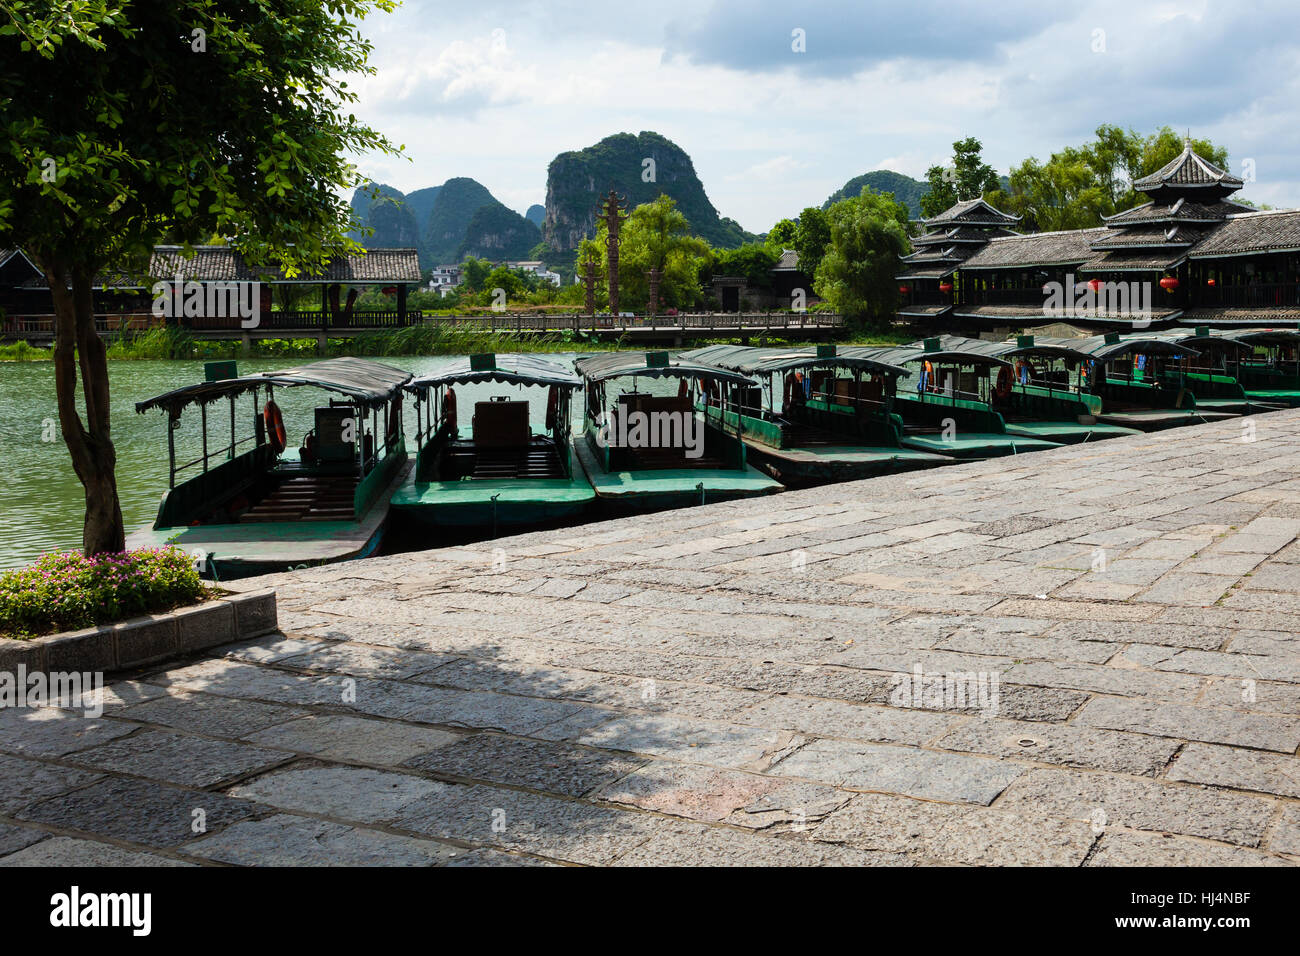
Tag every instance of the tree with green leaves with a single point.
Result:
(655, 235)
(782, 235)
(1080, 185)
(812, 235)
(868, 235)
(753, 261)
(128, 122)
(474, 273)
(968, 177)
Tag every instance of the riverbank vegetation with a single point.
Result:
(431, 338)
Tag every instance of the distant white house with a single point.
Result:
(536, 268)
(444, 279)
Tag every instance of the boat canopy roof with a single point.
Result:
(1203, 337)
(505, 369)
(363, 381)
(1048, 346)
(749, 360)
(1107, 346)
(607, 365)
(944, 348)
(1262, 336)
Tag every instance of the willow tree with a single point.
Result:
(127, 122)
(868, 235)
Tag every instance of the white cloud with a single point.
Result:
(768, 140)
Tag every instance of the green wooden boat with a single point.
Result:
(819, 414)
(494, 471)
(643, 446)
(242, 509)
(945, 400)
(1141, 381)
(1039, 394)
(1211, 374)
(1269, 371)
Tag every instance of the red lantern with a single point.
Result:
(1211, 283)
(904, 289)
(1094, 285)
(945, 287)
(1169, 283)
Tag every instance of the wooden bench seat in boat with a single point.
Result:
(501, 424)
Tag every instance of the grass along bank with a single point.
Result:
(431, 338)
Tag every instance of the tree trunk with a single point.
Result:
(90, 444)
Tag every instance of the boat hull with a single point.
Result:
(796, 467)
(633, 492)
(470, 504)
(1158, 419)
(232, 551)
(972, 446)
(1068, 433)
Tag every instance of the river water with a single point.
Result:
(41, 500)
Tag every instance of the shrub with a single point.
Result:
(65, 591)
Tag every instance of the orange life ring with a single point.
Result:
(1004, 381)
(449, 411)
(552, 407)
(274, 422)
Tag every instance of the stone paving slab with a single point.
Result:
(1081, 657)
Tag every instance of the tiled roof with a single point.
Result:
(224, 264)
(1030, 310)
(932, 256)
(929, 311)
(970, 212)
(1251, 232)
(1043, 248)
(789, 261)
(1147, 237)
(1180, 210)
(960, 234)
(937, 273)
(1256, 316)
(1187, 170)
(1153, 261)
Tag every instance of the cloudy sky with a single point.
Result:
(495, 89)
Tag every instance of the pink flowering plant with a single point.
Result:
(65, 590)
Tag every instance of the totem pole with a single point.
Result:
(613, 216)
(654, 276)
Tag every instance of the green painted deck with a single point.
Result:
(468, 503)
(1154, 419)
(1068, 433)
(673, 487)
(1280, 396)
(262, 547)
(977, 444)
(1235, 406)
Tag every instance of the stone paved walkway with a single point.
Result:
(718, 686)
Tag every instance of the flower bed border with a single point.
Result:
(147, 639)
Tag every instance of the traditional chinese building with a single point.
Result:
(1188, 256)
(949, 240)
